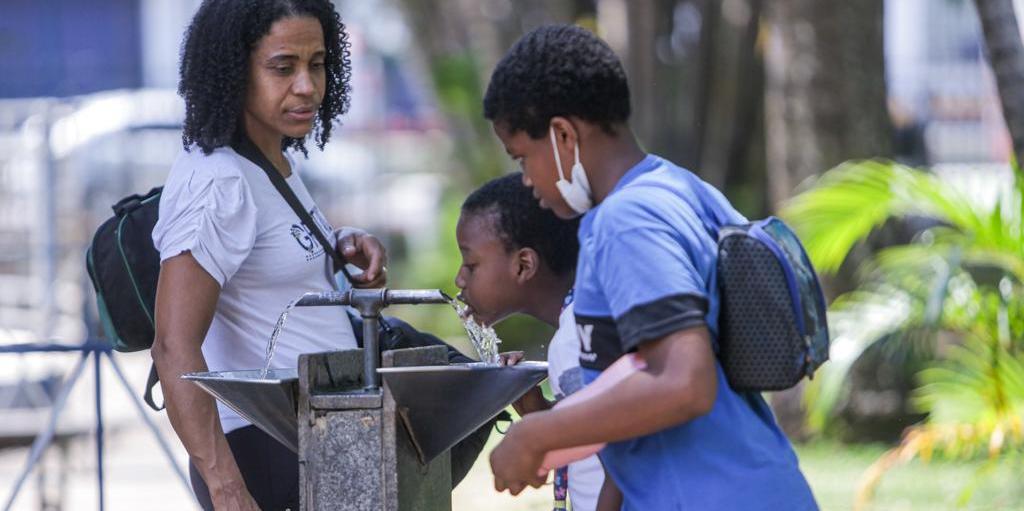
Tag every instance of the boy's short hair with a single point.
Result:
(520, 222)
(557, 70)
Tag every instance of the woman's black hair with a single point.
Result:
(215, 67)
(520, 222)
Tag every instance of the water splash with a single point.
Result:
(484, 338)
(272, 344)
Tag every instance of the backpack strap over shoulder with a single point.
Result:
(248, 150)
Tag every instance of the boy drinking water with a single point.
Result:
(519, 258)
(678, 436)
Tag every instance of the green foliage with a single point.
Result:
(976, 382)
(962, 276)
(850, 201)
(459, 92)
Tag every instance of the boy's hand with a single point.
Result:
(366, 252)
(532, 401)
(516, 461)
(510, 358)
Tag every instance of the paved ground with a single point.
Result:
(137, 474)
(138, 477)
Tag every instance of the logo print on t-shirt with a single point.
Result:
(305, 238)
(585, 333)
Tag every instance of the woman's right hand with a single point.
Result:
(233, 497)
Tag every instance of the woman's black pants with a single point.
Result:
(270, 471)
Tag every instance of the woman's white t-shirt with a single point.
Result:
(565, 377)
(225, 211)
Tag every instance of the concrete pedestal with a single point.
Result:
(354, 450)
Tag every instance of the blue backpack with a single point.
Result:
(772, 324)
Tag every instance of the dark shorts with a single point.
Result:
(270, 471)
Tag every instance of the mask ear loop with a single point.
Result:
(578, 174)
(558, 160)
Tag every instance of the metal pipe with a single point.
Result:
(382, 297)
(416, 296)
(369, 303)
(325, 298)
(99, 427)
(44, 438)
(371, 353)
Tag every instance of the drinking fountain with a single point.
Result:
(373, 430)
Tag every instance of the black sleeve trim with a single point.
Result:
(654, 320)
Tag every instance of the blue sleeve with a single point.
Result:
(653, 269)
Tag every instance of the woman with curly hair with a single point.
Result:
(263, 75)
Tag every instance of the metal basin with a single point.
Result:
(268, 403)
(441, 405)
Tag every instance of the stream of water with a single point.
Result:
(484, 339)
(272, 344)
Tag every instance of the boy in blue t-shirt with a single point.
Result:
(678, 436)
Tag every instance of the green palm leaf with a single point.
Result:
(907, 286)
(849, 202)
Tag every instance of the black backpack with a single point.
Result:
(773, 328)
(124, 266)
(773, 324)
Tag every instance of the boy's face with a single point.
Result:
(488, 275)
(540, 173)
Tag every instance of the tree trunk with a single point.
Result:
(460, 42)
(744, 155)
(660, 71)
(1006, 56)
(825, 98)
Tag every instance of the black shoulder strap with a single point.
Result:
(151, 382)
(248, 150)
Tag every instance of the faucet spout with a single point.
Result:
(416, 296)
(369, 303)
(324, 298)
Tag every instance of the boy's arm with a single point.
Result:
(679, 384)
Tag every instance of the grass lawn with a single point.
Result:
(834, 471)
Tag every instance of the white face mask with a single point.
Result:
(577, 192)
